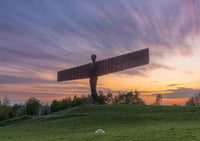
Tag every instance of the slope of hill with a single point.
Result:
(120, 122)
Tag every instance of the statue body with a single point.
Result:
(93, 79)
(103, 67)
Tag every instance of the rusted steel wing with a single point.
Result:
(79, 72)
(107, 66)
(123, 62)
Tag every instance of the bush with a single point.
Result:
(45, 109)
(66, 103)
(85, 99)
(109, 98)
(32, 106)
(21, 111)
(76, 101)
(101, 99)
(15, 108)
(5, 112)
(125, 98)
(55, 106)
(5, 109)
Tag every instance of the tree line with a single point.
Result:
(33, 106)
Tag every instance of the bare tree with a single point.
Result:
(158, 99)
(194, 101)
(6, 101)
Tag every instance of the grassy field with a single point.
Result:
(120, 122)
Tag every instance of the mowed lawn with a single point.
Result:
(120, 122)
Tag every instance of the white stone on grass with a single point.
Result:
(99, 132)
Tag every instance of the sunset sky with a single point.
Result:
(39, 38)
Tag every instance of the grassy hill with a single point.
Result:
(120, 122)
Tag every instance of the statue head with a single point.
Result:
(93, 57)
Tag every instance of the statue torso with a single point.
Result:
(93, 71)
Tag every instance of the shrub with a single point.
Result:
(85, 99)
(21, 111)
(5, 112)
(32, 106)
(109, 98)
(76, 101)
(5, 109)
(15, 108)
(101, 99)
(66, 103)
(55, 106)
(45, 109)
(126, 98)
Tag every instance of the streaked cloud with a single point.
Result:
(172, 85)
(38, 38)
(180, 92)
(188, 72)
(7, 79)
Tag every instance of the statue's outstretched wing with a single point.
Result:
(79, 72)
(107, 66)
(122, 62)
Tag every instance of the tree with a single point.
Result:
(6, 101)
(66, 103)
(55, 106)
(76, 101)
(136, 99)
(45, 109)
(15, 108)
(5, 109)
(194, 101)
(190, 102)
(128, 98)
(85, 99)
(101, 98)
(109, 98)
(21, 111)
(158, 99)
(32, 106)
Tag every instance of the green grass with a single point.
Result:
(120, 122)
